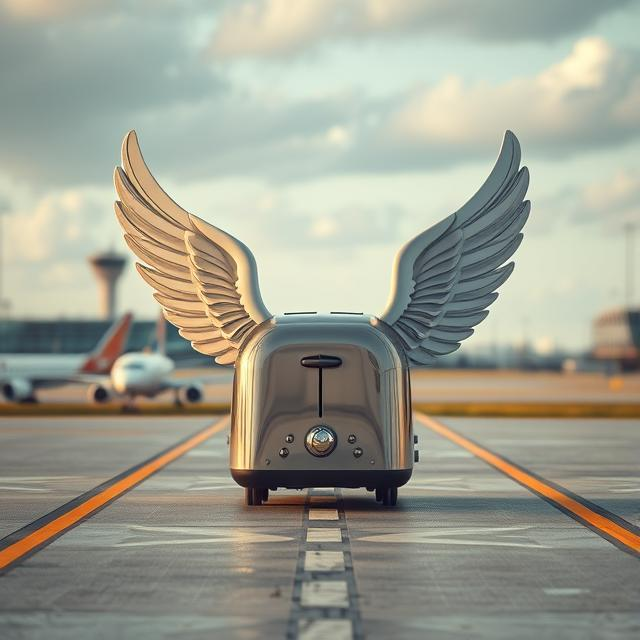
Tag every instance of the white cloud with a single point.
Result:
(615, 198)
(63, 225)
(354, 226)
(47, 9)
(575, 103)
(338, 136)
(279, 28)
(608, 202)
(271, 28)
(73, 85)
(358, 226)
(64, 113)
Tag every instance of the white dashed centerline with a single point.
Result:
(324, 600)
(323, 629)
(324, 561)
(323, 514)
(324, 535)
(325, 593)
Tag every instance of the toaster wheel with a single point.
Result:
(254, 496)
(387, 495)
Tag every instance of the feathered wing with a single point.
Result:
(205, 280)
(446, 277)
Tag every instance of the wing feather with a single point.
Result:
(205, 280)
(446, 277)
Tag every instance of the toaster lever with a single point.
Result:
(321, 362)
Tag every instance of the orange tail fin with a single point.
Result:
(110, 348)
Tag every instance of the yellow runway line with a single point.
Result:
(615, 529)
(35, 538)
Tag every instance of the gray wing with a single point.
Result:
(446, 277)
(205, 280)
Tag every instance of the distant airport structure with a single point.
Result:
(108, 268)
(70, 336)
(616, 337)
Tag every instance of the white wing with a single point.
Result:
(205, 279)
(445, 278)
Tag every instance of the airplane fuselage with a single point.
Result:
(145, 374)
(37, 366)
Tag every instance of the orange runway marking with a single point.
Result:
(56, 527)
(608, 525)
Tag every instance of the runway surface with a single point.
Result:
(468, 552)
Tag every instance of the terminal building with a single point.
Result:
(80, 336)
(616, 337)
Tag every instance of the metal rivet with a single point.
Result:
(284, 452)
(267, 461)
(351, 439)
(289, 438)
(357, 452)
(372, 461)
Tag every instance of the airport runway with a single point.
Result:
(469, 552)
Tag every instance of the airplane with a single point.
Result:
(21, 374)
(143, 373)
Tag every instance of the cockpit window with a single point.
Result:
(134, 366)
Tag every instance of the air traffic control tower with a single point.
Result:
(108, 267)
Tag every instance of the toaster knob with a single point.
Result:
(320, 441)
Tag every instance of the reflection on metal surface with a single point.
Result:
(365, 398)
(320, 441)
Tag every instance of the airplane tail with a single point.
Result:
(110, 347)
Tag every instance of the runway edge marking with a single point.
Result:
(24, 542)
(608, 525)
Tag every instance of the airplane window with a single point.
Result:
(137, 366)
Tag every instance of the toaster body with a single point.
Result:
(321, 401)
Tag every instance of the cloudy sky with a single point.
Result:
(324, 134)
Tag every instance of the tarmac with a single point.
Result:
(132, 527)
(437, 386)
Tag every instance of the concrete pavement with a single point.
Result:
(467, 552)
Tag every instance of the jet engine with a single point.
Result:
(98, 393)
(190, 394)
(18, 390)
